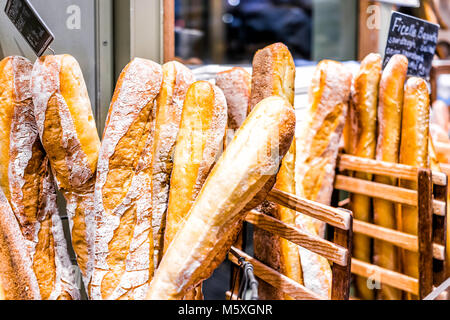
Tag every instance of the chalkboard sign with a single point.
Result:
(414, 38)
(29, 24)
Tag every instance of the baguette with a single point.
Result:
(28, 185)
(198, 145)
(123, 264)
(317, 148)
(17, 277)
(274, 74)
(69, 136)
(235, 84)
(389, 125)
(413, 152)
(228, 192)
(169, 104)
(365, 102)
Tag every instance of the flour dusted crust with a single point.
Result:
(16, 271)
(214, 218)
(30, 190)
(123, 244)
(169, 104)
(317, 148)
(235, 84)
(66, 127)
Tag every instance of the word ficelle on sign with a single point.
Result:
(414, 38)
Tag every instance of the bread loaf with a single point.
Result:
(389, 125)
(235, 84)
(69, 136)
(123, 239)
(317, 147)
(215, 216)
(413, 152)
(198, 146)
(365, 102)
(274, 74)
(17, 277)
(176, 80)
(28, 185)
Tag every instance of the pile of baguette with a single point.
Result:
(389, 120)
(156, 203)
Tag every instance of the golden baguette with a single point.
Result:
(274, 74)
(169, 104)
(28, 185)
(413, 152)
(123, 263)
(389, 125)
(365, 102)
(69, 136)
(199, 143)
(230, 189)
(16, 270)
(317, 148)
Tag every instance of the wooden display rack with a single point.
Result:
(431, 201)
(337, 251)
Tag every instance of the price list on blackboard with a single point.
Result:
(414, 38)
(29, 24)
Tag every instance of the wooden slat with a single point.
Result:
(445, 167)
(384, 191)
(347, 162)
(335, 217)
(425, 227)
(168, 30)
(400, 239)
(316, 244)
(340, 289)
(440, 236)
(276, 279)
(392, 278)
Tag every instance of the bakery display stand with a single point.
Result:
(337, 251)
(431, 201)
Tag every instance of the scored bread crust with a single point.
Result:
(390, 104)
(414, 152)
(365, 102)
(16, 271)
(274, 74)
(169, 104)
(69, 136)
(214, 218)
(317, 148)
(123, 244)
(235, 84)
(29, 188)
(198, 145)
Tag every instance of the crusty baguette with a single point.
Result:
(123, 241)
(365, 102)
(198, 145)
(235, 84)
(67, 130)
(413, 152)
(390, 104)
(169, 104)
(214, 218)
(274, 74)
(16, 270)
(28, 185)
(317, 148)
